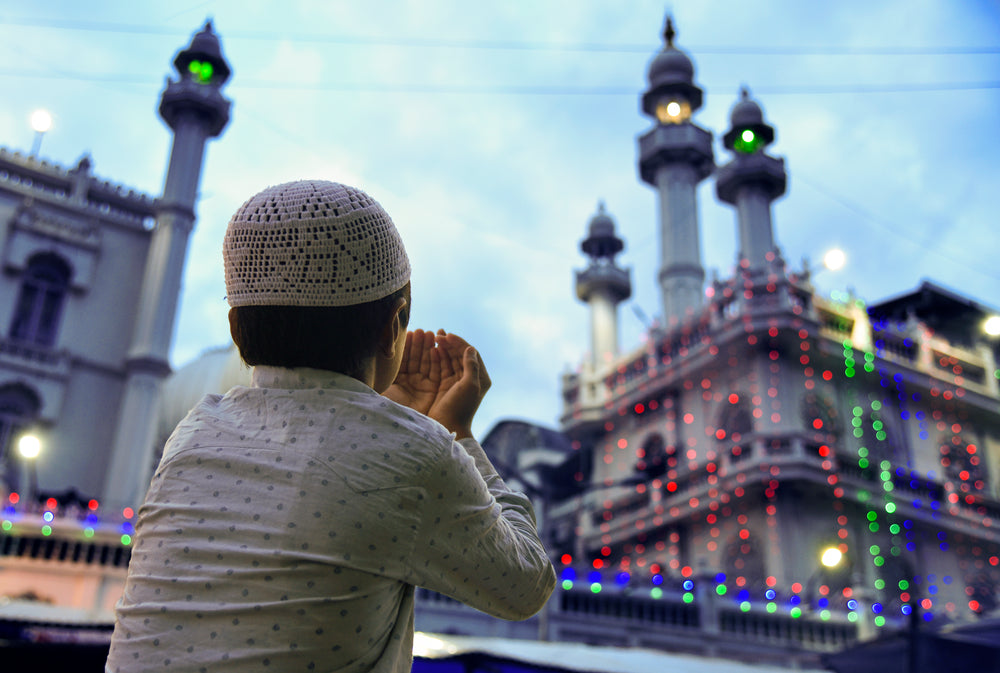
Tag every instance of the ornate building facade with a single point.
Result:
(90, 282)
(695, 481)
(761, 425)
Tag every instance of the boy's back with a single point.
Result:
(288, 522)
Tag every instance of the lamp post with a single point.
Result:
(41, 122)
(29, 446)
(830, 559)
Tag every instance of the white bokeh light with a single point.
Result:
(41, 121)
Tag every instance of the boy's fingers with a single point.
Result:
(447, 361)
(484, 376)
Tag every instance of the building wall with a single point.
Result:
(101, 232)
(792, 426)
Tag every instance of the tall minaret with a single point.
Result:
(751, 181)
(674, 156)
(603, 285)
(195, 109)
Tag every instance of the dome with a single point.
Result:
(601, 241)
(670, 66)
(671, 76)
(601, 224)
(746, 116)
(746, 112)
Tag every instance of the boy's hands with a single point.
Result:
(443, 377)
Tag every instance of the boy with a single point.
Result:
(288, 522)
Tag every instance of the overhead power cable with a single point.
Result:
(506, 45)
(510, 89)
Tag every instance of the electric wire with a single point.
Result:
(510, 89)
(503, 45)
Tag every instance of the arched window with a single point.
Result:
(40, 301)
(735, 424)
(18, 408)
(656, 457)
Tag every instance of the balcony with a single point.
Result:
(32, 359)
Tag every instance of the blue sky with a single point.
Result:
(491, 130)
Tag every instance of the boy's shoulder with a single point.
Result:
(353, 409)
(403, 420)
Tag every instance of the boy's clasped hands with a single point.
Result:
(442, 377)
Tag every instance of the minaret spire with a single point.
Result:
(674, 156)
(195, 109)
(751, 181)
(603, 285)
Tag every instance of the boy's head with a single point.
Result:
(317, 276)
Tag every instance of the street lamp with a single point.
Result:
(831, 557)
(992, 325)
(29, 446)
(41, 122)
(834, 259)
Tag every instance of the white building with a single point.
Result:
(88, 296)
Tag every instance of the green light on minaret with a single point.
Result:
(747, 142)
(201, 70)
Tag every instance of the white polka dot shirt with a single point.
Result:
(288, 522)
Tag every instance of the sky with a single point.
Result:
(490, 132)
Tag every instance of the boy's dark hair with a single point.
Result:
(335, 338)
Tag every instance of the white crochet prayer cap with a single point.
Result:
(312, 243)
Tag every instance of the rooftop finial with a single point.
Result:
(669, 32)
(600, 206)
(744, 92)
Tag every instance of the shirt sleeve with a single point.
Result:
(478, 542)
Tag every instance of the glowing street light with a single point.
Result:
(992, 325)
(834, 259)
(41, 122)
(831, 557)
(29, 447)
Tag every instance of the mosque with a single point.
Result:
(771, 475)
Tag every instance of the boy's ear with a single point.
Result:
(392, 328)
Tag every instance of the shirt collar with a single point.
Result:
(301, 378)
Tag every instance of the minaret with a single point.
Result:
(195, 109)
(674, 156)
(751, 181)
(603, 285)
